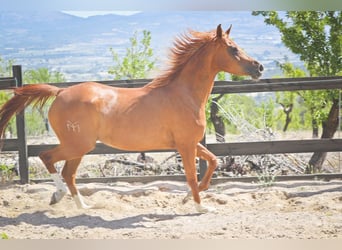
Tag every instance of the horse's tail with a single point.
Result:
(37, 94)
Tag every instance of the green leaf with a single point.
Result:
(138, 60)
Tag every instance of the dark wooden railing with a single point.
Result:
(219, 149)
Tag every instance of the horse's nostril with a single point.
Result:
(261, 68)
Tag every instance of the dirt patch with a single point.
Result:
(292, 210)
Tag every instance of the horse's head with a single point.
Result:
(232, 59)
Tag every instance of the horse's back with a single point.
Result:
(95, 111)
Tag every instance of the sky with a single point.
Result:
(153, 5)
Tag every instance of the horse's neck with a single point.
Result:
(198, 77)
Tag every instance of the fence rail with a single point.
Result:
(219, 149)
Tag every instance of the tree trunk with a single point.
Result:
(329, 128)
(314, 129)
(287, 110)
(220, 129)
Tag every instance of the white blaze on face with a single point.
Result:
(107, 99)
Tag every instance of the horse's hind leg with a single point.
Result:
(72, 158)
(49, 157)
(69, 175)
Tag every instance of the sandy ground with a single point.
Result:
(293, 210)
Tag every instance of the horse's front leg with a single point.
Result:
(205, 154)
(189, 162)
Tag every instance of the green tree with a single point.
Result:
(215, 118)
(316, 37)
(287, 99)
(43, 75)
(37, 119)
(266, 111)
(138, 60)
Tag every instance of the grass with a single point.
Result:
(7, 173)
(266, 179)
(4, 236)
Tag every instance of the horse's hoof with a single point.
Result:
(80, 203)
(56, 197)
(85, 206)
(204, 209)
(187, 198)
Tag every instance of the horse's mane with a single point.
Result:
(185, 46)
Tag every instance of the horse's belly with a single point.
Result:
(136, 140)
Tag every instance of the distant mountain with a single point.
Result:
(79, 47)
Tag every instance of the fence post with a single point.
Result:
(21, 133)
(202, 163)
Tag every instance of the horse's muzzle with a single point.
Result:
(256, 70)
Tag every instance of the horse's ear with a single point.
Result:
(228, 30)
(219, 31)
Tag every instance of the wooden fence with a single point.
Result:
(219, 149)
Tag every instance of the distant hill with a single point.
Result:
(79, 47)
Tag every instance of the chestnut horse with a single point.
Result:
(167, 113)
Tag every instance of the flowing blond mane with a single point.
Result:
(185, 47)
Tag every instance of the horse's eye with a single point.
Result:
(233, 50)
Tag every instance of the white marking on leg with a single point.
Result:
(59, 183)
(79, 202)
(203, 209)
(61, 189)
